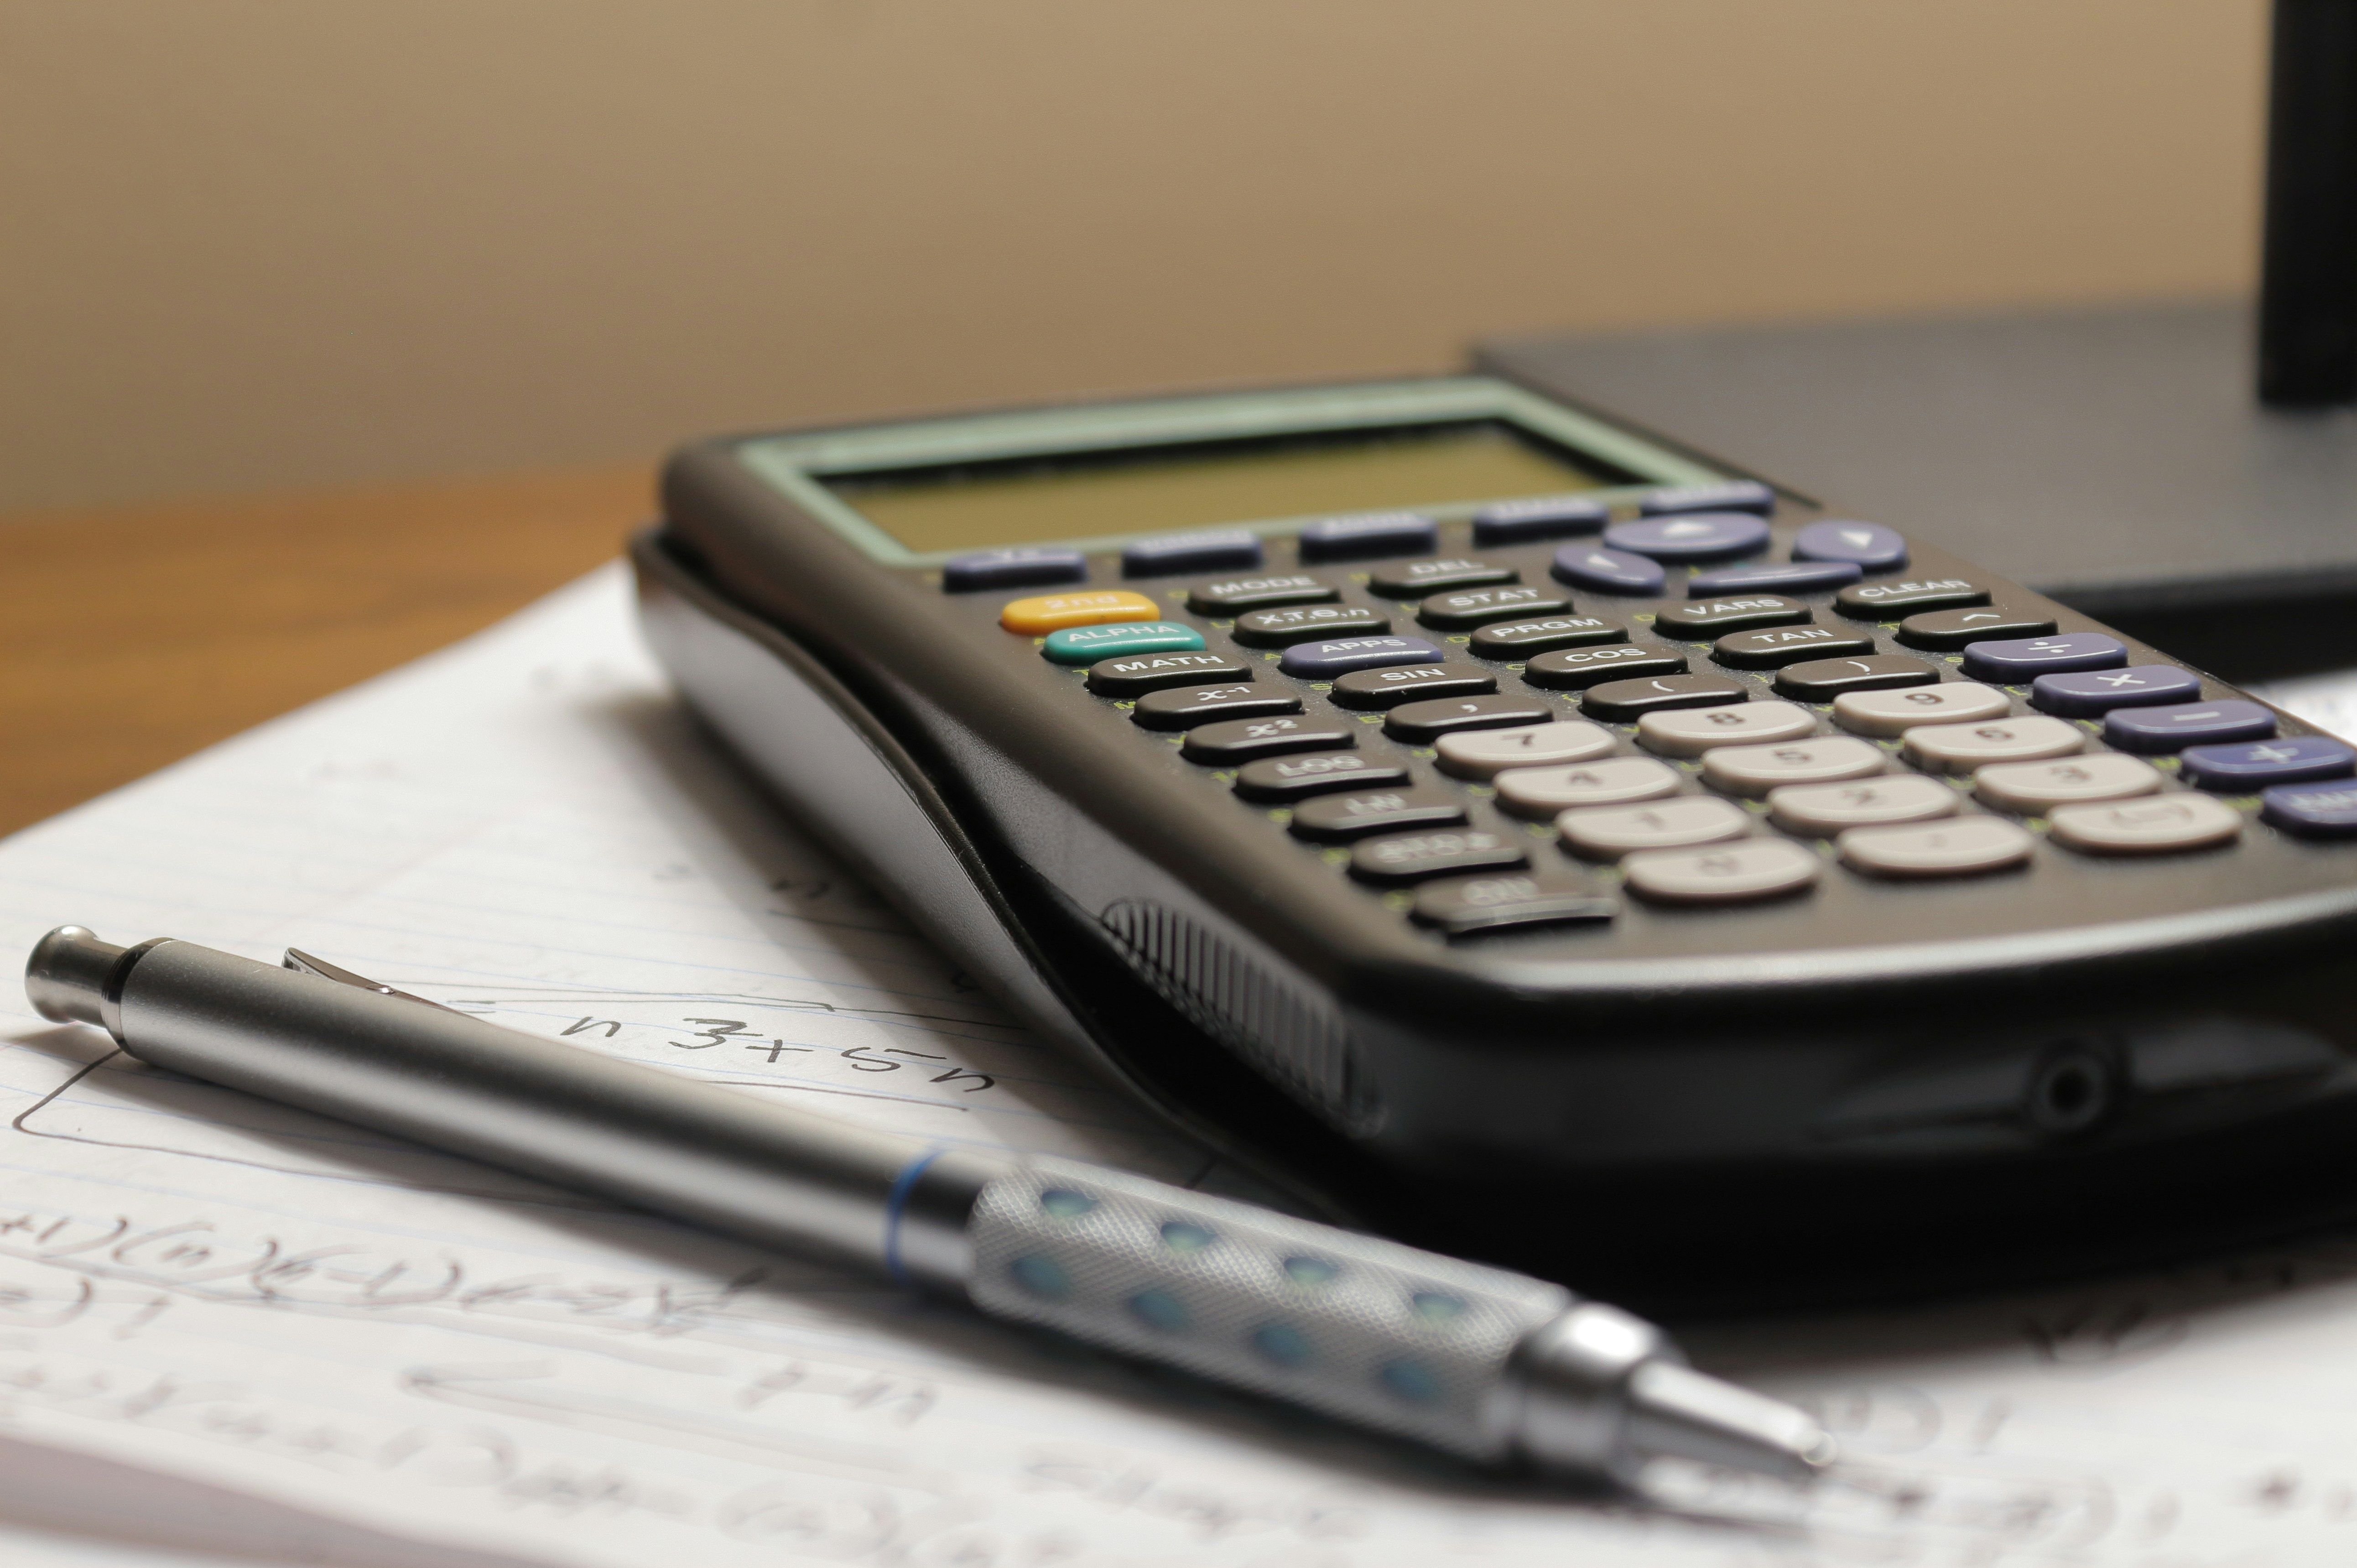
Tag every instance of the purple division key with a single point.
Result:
(2019, 658)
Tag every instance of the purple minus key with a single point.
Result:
(1325, 660)
(2180, 724)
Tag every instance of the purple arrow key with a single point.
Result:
(2101, 691)
(1609, 571)
(2295, 760)
(1778, 576)
(2312, 810)
(1693, 536)
(1324, 660)
(1874, 547)
(2022, 658)
(2183, 724)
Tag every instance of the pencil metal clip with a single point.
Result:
(302, 963)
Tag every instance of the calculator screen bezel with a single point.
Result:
(801, 465)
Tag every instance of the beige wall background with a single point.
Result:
(265, 244)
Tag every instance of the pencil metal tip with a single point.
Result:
(1674, 1411)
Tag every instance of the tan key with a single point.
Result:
(1484, 754)
(1962, 848)
(1828, 809)
(1822, 759)
(1731, 873)
(1960, 748)
(1896, 712)
(1690, 732)
(2032, 788)
(1607, 832)
(2148, 826)
(1615, 780)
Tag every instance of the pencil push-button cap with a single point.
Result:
(1185, 706)
(1690, 732)
(1358, 813)
(1417, 857)
(1231, 741)
(1896, 712)
(1284, 627)
(1774, 646)
(1486, 753)
(1966, 847)
(1047, 613)
(1414, 579)
(1728, 873)
(1471, 905)
(1608, 832)
(1947, 629)
(1136, 673)
(1960, 748)
(1821, 760)
(1825, 809)
(1521, 639)
(1421, 723)
(1576, 669)
(1466, 608)
(2146, 827)
(1823, 680)
(1704, 619)
(2031, 787)
(1624, 702)
(1883, 601)
(1607, 781)
(1390, 686)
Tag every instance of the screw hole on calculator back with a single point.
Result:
(2072, 1091)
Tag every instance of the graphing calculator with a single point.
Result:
(1530, 837)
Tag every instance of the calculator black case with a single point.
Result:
(1876, 1088)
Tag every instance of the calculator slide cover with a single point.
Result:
(1578, 884)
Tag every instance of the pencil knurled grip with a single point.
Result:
(1363, 1328)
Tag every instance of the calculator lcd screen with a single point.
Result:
(1095, 495)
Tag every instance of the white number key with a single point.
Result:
(1690, 732)
(1735, 873)
(1606, 832)
(1960, 748)
(2146, 827)
(2032, 788)
(1613, 781)
(1756, 769)
(1944, 849)
(1485, 753)
(1828, 809)
(1896, 712)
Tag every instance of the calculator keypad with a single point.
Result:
(1759, 721)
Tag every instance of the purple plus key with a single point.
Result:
(1324, 660)
(2312, 810)
(1692, 536)
(1609, 571)
(1774, 576)
(2019, 658)
(2097, 691)
(1872, 546)
(2181, 724)
(2293, 759)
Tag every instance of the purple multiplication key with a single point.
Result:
(2180, 724)
(2253, 765)
(2019, 658)
(1869, 545)
(1324, 660)
(2312, 810)
(1692, 536)
(2095, 692)
(1602, 571)
(1779, 576)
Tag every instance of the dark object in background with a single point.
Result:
(2307, 311)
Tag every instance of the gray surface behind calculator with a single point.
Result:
(2107, 456)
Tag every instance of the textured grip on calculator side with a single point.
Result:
(1363, 1328)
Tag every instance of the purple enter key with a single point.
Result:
(1324, 660)
(2014, 659)
(2251, 766)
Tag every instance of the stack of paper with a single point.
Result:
(231, 1327)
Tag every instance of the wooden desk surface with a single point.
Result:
(131, 638)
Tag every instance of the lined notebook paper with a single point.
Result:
(234, 1325)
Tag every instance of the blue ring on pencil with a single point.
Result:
(895, 1207)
